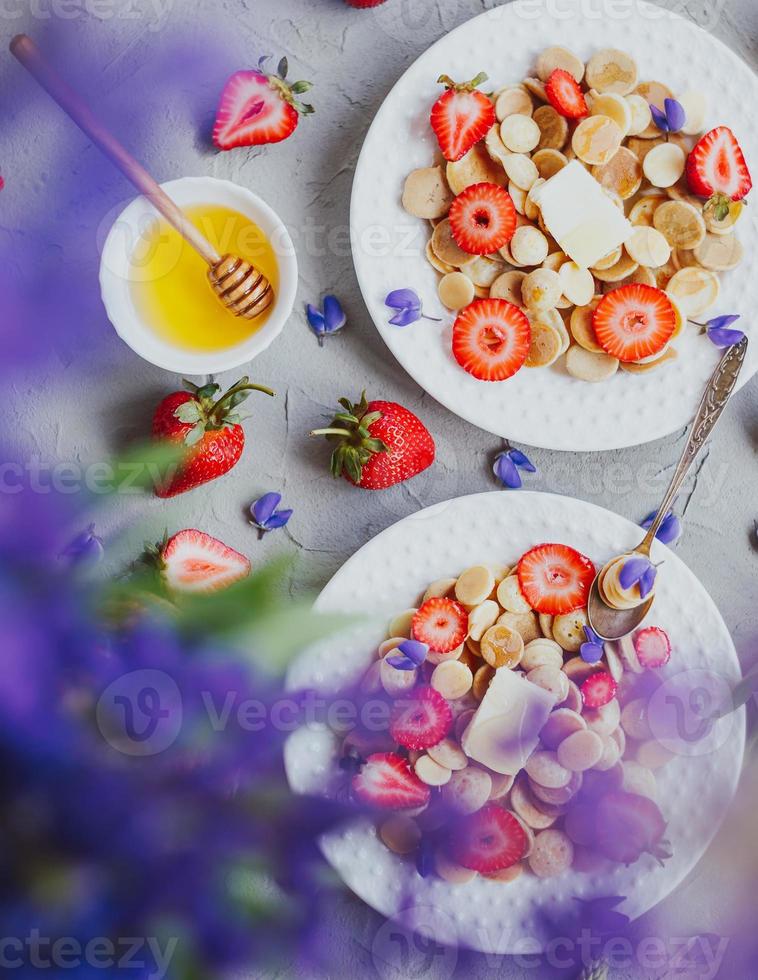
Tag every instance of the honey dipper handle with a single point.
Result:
(27, 52)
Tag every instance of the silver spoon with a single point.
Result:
(614, 624)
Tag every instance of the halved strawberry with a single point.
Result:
(716, 165)
(565, 95)
(258, 108)
(598, 689)
(387, 781)
(653, 647)
(491, 339)
(555, 578)
(628, 826)
(634, 322)
(461, 116)
(421, 720)
(193, 561)
(440, 623)
(482, 219)
(489, 840)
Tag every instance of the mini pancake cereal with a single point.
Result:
(562, 210)
(494, 765)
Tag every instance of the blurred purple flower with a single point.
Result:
(507, 465)
(592, 650)
(640, 572)
(670, 529)
(409, 655)
(265, 515)
(409, 307)
(671, 118)
(332, 320)
(601, 915)
(85, 549)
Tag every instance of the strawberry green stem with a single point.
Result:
(332, 432)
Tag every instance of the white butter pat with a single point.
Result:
(505, 729)
(580, 216)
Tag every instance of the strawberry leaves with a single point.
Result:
(204, 414)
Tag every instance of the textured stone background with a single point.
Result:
(157, 67)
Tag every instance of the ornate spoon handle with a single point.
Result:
(720, 387)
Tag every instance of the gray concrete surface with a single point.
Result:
(91, 398)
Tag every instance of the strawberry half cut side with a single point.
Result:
(440, 623)
(194, 562)
(555, 578)
(491, 339)
(634, 322)
(565, 95)
(387, 781)
(716, 166)
(461, 116)
(256, 108)
(421, 720)
(487, 841)
(482, 219)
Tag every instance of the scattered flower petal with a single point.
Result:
(85, 549)
(670, 529)
(409, 307)
(265, 515)
(671, 118)
(404, 318)
(591, 651)
(400, 662)
(507, 465)
(415, 650)
(647, 582)
(331, 320)
(634, 571)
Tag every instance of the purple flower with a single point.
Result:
(410, 655)
(671, 118)
(85, 549)
(330, 321)
(409, 307)
(640, 572)
(507, 465)
(718, 332)
(601, 914)
(591, 651)
(670, 529)
(265, 515)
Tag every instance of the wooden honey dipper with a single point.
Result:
(241, 288)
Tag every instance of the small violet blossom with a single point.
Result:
(330, 321)
(507, 465)
(671, 118)
(591, 651)
(85, 549)
(670, 529)
(265, 515)
(719, 333)
(409, 308)
(640, 572)
(409, 655)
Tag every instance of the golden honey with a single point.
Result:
(170, 286)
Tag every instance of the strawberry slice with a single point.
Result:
(555, 578)
(440, 623)
(421, 720)
(716, 165)
(489, 840)
(634, 322)
(193, 561)
(257, 108)
(653, 647)
(387, 781)
(565, 95)
(491, 339)
(461, 116)
(598, 689)
(482, 219)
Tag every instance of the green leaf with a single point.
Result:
(741, 694)
(195, 434)
(353, 465)
(188, 412)
(209, 390)
(376, 446)
(140, 468)
(300, 87)
(306, 109)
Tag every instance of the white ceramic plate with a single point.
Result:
(388, 575)
(544, 407)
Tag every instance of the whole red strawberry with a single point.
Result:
(209, 429)
(378, 443)
(257, 107)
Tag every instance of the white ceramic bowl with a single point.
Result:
(116, 270)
